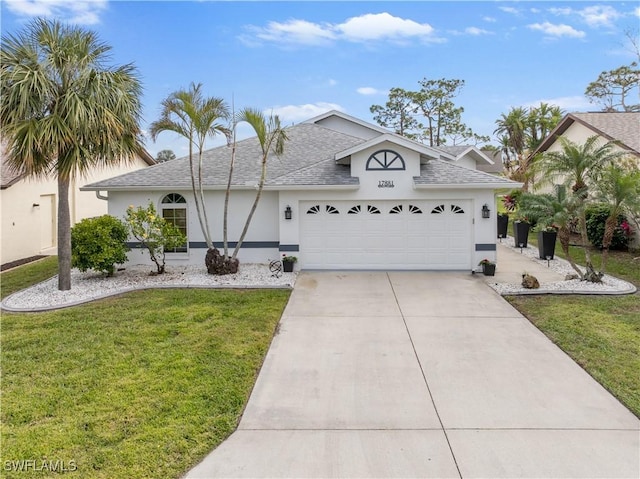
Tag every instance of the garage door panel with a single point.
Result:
(386, 235)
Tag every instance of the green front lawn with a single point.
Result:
(24, 276)
(142, 385)
(601, 333)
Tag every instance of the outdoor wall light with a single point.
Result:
(486, 212)
(287, 213)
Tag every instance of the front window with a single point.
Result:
(174, 210)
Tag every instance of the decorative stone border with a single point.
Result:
(609, 286)
(91, 286)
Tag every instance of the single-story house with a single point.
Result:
(346, 194)
(623, 127)
(29, 207)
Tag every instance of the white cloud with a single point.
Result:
(636, 12)
(511, 10)
(294, 113)
(594, 15)
(376, 26)
(477, 31)
(567, 103)
(561, 11)
(489, 19)
(332, 82)
(367, 90)
(557, 30)
(295, 31)
(364, 28)
(81, 12)
(599, 15)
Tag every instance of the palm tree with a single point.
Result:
(620, 189)
(541, 120)
(64, 111)
(165, 155)
(578, 166)
(555, 209)
(195, 117)
(272, 138)
(512, 128)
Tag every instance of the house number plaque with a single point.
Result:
(385, 184)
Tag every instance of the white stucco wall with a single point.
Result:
(263, 227)
(25, 227)
(467, 162)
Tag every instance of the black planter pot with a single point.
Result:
(547, 244)
(489, 269)
(287, 266)
(521, 233)
(503, 223)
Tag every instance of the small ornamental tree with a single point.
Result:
(99, 244)
(155, 233)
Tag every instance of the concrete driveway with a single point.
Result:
(421, 374)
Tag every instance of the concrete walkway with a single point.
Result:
(424, 375)
(511, 265)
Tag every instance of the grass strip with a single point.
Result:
(601, 333)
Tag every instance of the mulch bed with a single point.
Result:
(20, 262)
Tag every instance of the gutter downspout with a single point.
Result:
(101, 197)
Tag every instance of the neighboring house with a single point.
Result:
(623, 127)
(495, 167)
(345, 194)
(29, 208)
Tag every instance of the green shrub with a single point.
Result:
(99, 243)
(596, 216)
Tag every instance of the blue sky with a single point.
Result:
(300, 59)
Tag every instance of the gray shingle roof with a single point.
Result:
(454, 150)
(438, 172)
(622, 126)
(308, 160)
(308, 145)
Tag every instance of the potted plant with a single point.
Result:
(288, 262)
(488, 267)
(521, 228)
(503, 224)
(547, 235)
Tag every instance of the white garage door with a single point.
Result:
(386, 235)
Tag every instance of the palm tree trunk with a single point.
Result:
(64, 236)
(227, 195)
(197, 200)
(207, 230)
(263, 175)
(609, 229)
(590, 274)
(564, 236)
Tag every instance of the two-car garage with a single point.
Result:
(425, 235)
